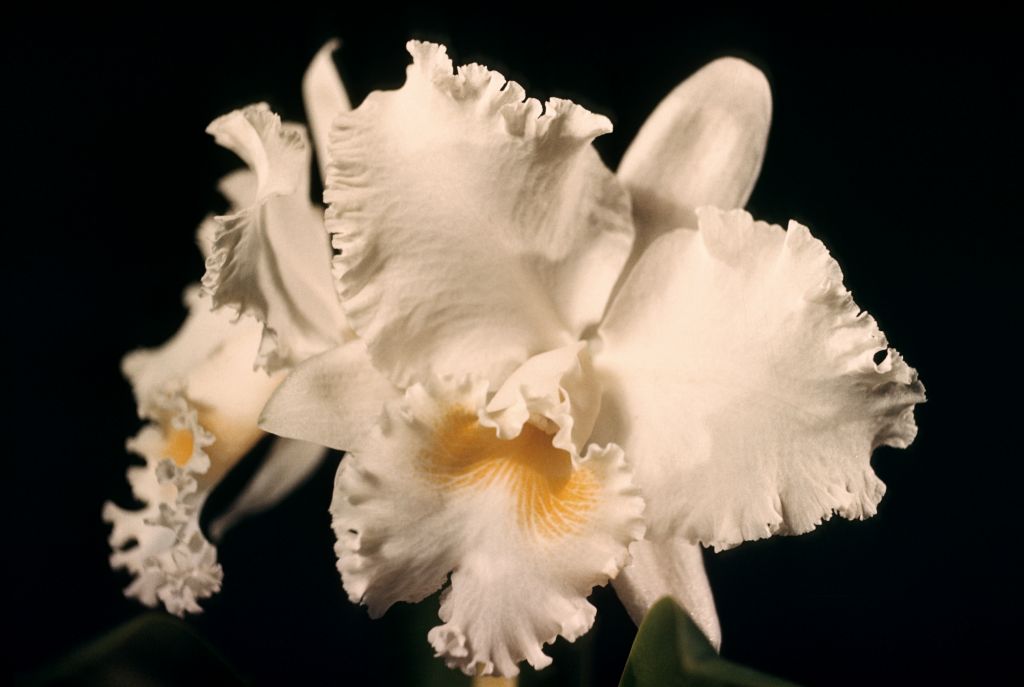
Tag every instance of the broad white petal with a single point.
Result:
(325, 98)
(333, 399)
(739, 377)
(272, 258)
(524, 532)
(702, 145)
(669, 567)
(287, 466)
(474, 230)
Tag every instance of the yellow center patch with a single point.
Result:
(179, 446)
(551, 498)
(232, 440)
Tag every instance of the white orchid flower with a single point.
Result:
(202, 391)
(563, 376)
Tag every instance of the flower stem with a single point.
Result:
(488, 681)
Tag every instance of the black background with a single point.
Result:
(894, 138)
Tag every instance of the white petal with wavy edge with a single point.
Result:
(239, 188)
(474, 230)
(739, 377)
(524, 532)
(325, 98)
(288, 464)
(702, 145)
(272, 259)
(333, 399)
(202, 397)
(161, 544)
(557, 389)
(669, 567)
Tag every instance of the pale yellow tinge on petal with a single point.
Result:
(232, 440)
(552, 499)
(234, 435)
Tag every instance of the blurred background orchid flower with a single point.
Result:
(201, 393)
(562, 376)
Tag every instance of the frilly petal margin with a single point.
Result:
(272, 259)
(201, 398)
(161, 545)
(556, 389)
(739, 377)
(476, 228)
(524, 532)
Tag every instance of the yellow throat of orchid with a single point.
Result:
(233, 438)
(551, 498)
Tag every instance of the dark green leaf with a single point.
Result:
(670, 651)
(153, 650)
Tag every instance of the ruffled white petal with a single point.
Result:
(702, 145)
(669, 567)
(333, 399)
(239, 188)
(739, 377)
(202, 399)
(524, 533)
(557, 389)
(161, 544)
(474, 230)
(288, 464)
(325, 98)
(272, 258)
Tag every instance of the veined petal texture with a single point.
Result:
(524, 529)
(476, 227)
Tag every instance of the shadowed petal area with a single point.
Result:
(272, 259)
(524, 530)
(476, 228)
(333, 399)
(739, 377)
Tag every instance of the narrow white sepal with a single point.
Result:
(669, 567)
(325, 98)
(288, 464)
